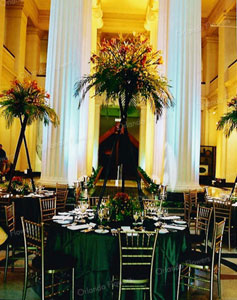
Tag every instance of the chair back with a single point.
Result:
(137, 250)
(217, 241)
(93, 201)
(203, 221)
(61, 196)
(33, 234)
(222, 209)
(10, 217)
(193, 198)
(187, 208)
(150, 204)
(4, 201)
(47, 209)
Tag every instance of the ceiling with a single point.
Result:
(130, 6)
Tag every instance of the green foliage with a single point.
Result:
(26, 99)
(228, 122)
(122, 206)
(90, 183)
(126, 69)
(153, 187)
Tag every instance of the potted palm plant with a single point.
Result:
(125, 70)
(27, 102)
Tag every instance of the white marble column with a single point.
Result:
(159, 128)
(69, 50)
(182, 153)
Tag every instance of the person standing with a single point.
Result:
(3, 156)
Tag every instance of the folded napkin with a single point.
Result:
(170, 218)
(174, 227)
(234, 204)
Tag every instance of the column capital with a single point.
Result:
(97, 13)
(16, 4)
(210, 39)
(151, 14)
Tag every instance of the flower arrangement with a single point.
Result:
(20, 186)
(122, 206)
(228, 122)
(27, 99)
(126, 69)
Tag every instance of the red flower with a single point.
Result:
(47, 96)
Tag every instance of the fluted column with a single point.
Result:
(69, 49)
(2, 31)
(184, 71)
(159, 129)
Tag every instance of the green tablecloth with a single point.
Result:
(98, 259)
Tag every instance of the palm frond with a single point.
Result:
(228, 123)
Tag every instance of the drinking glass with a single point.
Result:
(101, 215)
(135, 216)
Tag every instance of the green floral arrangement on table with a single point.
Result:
(228, 121)
(28, 100)
(153, 188)
(122, 207)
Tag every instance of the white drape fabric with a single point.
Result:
(182, 149)
(69, 50)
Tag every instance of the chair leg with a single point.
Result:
(211, 284)
(219, 282)
(6, 263)
(189, 271)
(120, 290)
(178, 286)
(25, 281)
(229, 238)
(13, 259)
(73, 283)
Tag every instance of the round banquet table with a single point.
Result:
(97, 259)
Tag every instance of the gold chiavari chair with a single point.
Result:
(93, 201)
(202, 225)
(151, 204)
(222, 209)
(210, 262)
(15, 240)
(4, 201)
(47, 209)
(137, 250)
(61, 196)
(187, 208)
(55, 265)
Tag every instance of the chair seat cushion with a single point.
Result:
(54, 261)
(198, 258)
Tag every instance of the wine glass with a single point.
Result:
(108, 214)
(142, 216)
(165, 212)
(101, 215)
(135, 216)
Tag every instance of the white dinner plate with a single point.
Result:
(103, 231)
(63, 222)
(63, 213)
(181, 222)
(163, 231)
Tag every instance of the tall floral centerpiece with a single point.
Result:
(27, 102)
(125, 70)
